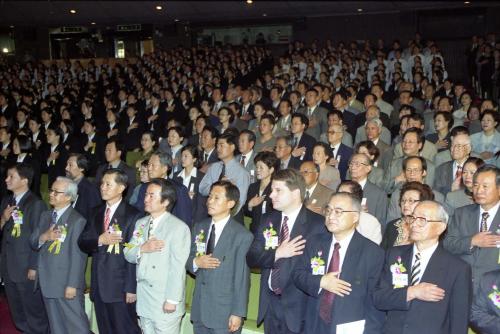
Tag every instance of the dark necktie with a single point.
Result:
(327, 297)
(222, 172)
(275, 272)
(242, 161)
(295, 142)
(211, 241)
(205, 157)
(54, 217)
(306, 199)
(415, 270)
(484, 221)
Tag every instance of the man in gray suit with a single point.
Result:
(284, 123)
(61, 263)
(18, 262)
(218, 259)
(317, 115)
(160, 248)
(473, 232)
(246, 143)
(317, 195)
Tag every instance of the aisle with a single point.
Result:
(6, 325)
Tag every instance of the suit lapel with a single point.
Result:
(298, 227)
(434, 268)
(99, 226)
(224, 239)
(495, 224)
(64, 218)
(119, 216)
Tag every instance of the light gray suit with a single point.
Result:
(282, 127)
(396, 168)
(428, 151)
(319, 115)
(385, 135)
(376, 201)
(458, 198)
(463, 226)
(376, 177)
(223, 291)
(56, 272)
(249, 164)
(160, 275)
(444, 177)
(320, 196)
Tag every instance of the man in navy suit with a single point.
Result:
(280, 236)
(424, 288)
(113, 279)
(341, 102)
(302, 142)
(339, 271)
(340, 152)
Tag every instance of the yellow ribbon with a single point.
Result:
(128, 245)
(116, 247)
(55, 246)
(16, 231)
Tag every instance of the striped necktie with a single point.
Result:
(415, 270)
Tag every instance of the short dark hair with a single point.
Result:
(422, 161)
(292, 178)
(423, 189)
(448, 117)
(120, 146)
(418, 132)
(269, 159)
(120, 176)
(25, 144)
(230, 139)
(250, 133)
(167, 191)
(354, 188)
(232, 192)
(81, 161)
(370, 147)
(326, 148)
(303, 118)
(194, 153)
(460, 129)
(24, 170)
(488, 168)
(213, 131)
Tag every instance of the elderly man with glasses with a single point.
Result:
(424, 281)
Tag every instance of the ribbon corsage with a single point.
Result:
(115, 228)
(318, 264)
(494, 296)
(199, 241)
(55, 246)
(17, 217)
(92, 151)
(136, 237)
(271, 237)
(398, 268)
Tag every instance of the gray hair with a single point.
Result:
(165, 158)
(71, 189)
(375, 121)
(441, 213)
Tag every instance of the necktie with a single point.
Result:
(458, 174)
(275, 272)
(282, 165)
(110, 166)
(484, 221)
(327, 297)
(54, 217)
(333, 152)
(415, 270)
(295, 142)
(107, 218)
(309, 112)
(222, 172)
(150, 228)
(211, 241)
(205, 157)
(242, 161)
(306, 199)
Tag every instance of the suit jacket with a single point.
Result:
(385, 135)
(485, 315)
(463, 226)
(293, 163)
(198, 201)
(292, 300)
(320, 196)
(56, 272)
(131, 176)
(376, 200)
(258, 211)
(458, 198)
(361, 267)
(88, 198)
(249, 163)
(58, 166)
(447, 316)
(282, 126)
(308, 142)
(160, 275)
(112, 277)
(223, 291)
(17, 256)
(95, 155)
(443, 177)
(319, 117)
(345, 154)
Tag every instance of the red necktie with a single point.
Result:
(107, 218)
(275, 272)
(326, 299)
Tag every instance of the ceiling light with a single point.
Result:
(72, 11)
(466, 2)
(92, 23)
(5, 50)
(11, 27)
(176, 20)
(249, 1)
(360, 9)
(159, 7)
(264, 14)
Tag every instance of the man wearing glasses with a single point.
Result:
(423, 288)
(339, 271)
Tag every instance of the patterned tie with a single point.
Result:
(150, 228)
(107, 218)
(54, 217)
(327, 297)
(211, 241)
(275, 272)
(242, 161)
(484, 221)
(415, 270)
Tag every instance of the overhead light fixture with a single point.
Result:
(176, 20)
(159, 7)
(264, 14)
(72, 11)
(92, 23)
(5, 50)
(249, 2)
(11, 27)
(360, 9)
(466, 2)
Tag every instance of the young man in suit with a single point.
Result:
(424, 281)
(339, 272)
(302, 142)
(280, 236)
(208, 154)
(61, 263)
(473, 231)
(217, 259)
(160, 248)
(113, 280)
(56, 154)
(113, 152)
(18, 262)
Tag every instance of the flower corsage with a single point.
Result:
(318, 264)
(271, 237)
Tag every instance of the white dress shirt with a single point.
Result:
(492, 213)
(425, 256)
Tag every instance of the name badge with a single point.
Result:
(272, 242)
(320, 270)
(201, 248)
(400, 280)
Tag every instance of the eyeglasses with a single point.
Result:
(57, 192)
(356, 164)
(421, 221)
(409, 201)
(337, 211)
(459, 147)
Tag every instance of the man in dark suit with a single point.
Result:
(448, 176)
(55, 155)
(113, 280)
(156, 117)
(113, 152)
(222, 275)
(302, 142)
(282, 235)
(18, 262)
(208, 154)
(339, 272)
(424, 288)
(246, 142)
(61, 263)
(88, 194)
(315, 113)
(340, 102)
(283, 150)
(340, 152)
(473, 231)
(485, 311)
(317, 195)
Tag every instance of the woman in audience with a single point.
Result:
(397, 232)
(487, 142)
(459, 115)
(266, 141)
(258, 201)
(148, 145)
(443, 122)
(259, 110)
(226, 118)
(22, 147)
(329, 176)
(463, 196)
(143, 178)
(472, 122)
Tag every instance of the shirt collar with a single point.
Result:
(311, 190)
(426, 253)
(345, 242)
(61, 212)
(19, 197)
(363, 183)
(492, 212)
